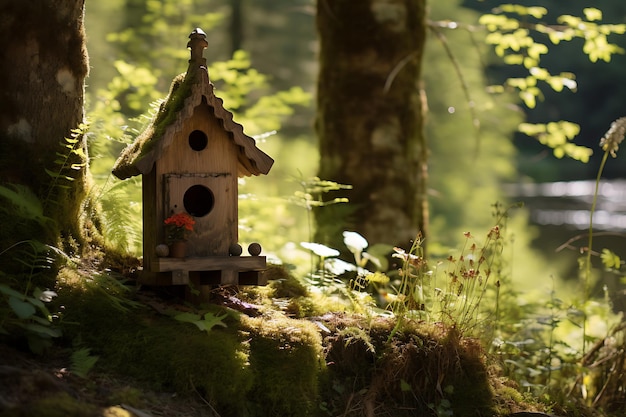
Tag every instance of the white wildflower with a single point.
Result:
(355, 242)
(319, 249)
(47, 296)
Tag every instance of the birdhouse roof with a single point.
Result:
(188, 91)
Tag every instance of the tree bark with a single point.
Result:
(42, 72)
(370, 118)
(236, 25)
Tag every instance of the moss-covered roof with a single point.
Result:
(188, 91)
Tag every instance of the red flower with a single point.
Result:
(178, 224)
(181, 220)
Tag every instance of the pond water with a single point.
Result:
(568, 204)
(560, 212)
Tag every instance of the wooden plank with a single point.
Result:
(180, 277)
(155, 278)
(252, 278)
(214, 263)
(152, 229)
(199, 280)
(229, 277)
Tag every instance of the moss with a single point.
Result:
(180, 89)
(421, 370)
(155, 349)
(129, 396)
(272, 366)
(284, 284)
(57, 405)
(286, 359)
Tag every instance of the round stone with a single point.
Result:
(235, 249)
(254, 249)
(162, 250)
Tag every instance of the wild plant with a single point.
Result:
(68, 163)
(119, 201)
(82, 362)
(610, 144)
(25, 308)
(355, 280)
(22, 303)
(23, 311)
(310, 197)
(535, 354)
(410, 295)
(121, 215)
(543, 358)
(454, 300)
(30, 314)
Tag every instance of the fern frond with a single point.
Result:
(121, 215)
(67, 167)
(23, 203)
(82, 362)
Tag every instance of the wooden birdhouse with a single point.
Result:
(190, 158)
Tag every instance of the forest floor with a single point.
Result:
(47, 385)
(26, 379)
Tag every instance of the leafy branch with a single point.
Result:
(514, 30)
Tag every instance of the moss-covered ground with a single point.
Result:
(269, 351)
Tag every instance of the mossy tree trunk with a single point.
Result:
(370, 118)
(42, 77)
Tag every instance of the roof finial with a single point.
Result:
(197, 43)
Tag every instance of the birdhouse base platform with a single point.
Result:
(210, 271)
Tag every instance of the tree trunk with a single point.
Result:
(236, 25)
(42, 73)
(370, 118)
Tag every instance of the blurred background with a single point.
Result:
(263, 60)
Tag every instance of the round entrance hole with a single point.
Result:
(198, 140)
(198, 200)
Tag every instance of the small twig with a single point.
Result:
(203, 399)
(567, 244)
(464, 87)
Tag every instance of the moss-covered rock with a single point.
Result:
(253, 366)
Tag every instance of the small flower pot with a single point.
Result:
(178, 249)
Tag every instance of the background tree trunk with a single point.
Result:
(42, 72)
(236, 25)
(370, 118)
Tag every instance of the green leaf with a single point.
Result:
(40, 330)
(537, 12)
(540, 73)
(211, 320)
(205, 323)
(22, 309)
(10, 291)
(82, 362)
(405, 386)
(531, 129)
(528, 98)
(591, 13)
(514, 59)
(610, 260)
(187, 317)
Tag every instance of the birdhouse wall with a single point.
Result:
(152, 218)
(198, 174)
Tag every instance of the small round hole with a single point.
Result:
(198, 200)
(198, 140)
